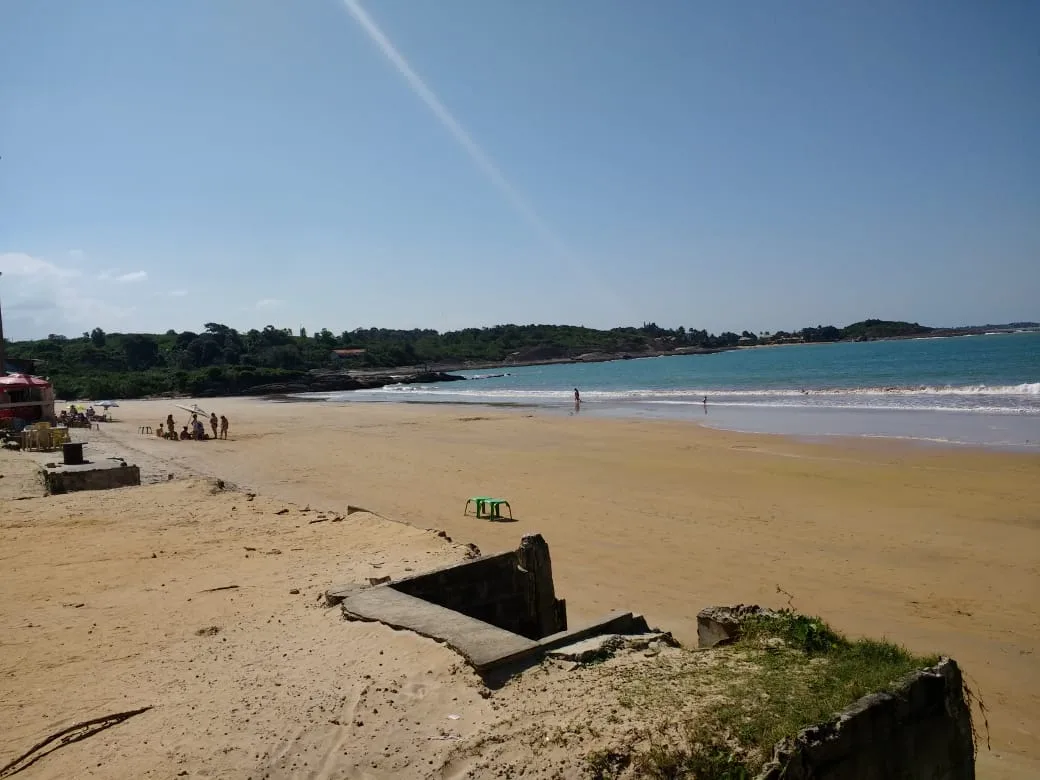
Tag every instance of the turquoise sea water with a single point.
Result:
(972, 389)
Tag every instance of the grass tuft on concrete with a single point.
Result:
(786, 672)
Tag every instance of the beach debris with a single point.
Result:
(294, 591)
(222, 587)
(208, 631)
(317, 520)
(76, 605)
(338, 519)
(378, 580)
(73, 733)
(282, 512)
(250, 496)
(453, 717)
(273, 551)
(250, 549)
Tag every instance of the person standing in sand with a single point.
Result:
(223, 426)
(171, 425)
(213, 423)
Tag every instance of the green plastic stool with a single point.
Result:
(494, 506)
(479, 502)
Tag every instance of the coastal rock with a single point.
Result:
(339, 381)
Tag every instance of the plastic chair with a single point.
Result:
(494, 507)
(479, 502)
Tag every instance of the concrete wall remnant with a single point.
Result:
(920, 729)
(512, 590)
(91, 476)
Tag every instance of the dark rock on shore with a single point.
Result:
(335, 382)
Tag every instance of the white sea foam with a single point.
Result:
(1022, 389)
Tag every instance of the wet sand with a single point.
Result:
(936, 549)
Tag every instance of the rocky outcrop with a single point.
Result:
(921, 729)
(336, 381)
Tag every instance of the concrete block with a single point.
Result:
(102, 475)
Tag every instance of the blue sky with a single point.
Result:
(721, 165)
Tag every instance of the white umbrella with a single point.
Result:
(107, 404)
(194, 409)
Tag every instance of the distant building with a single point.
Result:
(347, 354)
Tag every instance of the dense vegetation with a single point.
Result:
(222, 360)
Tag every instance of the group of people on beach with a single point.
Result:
(195, 430)
(78, 418)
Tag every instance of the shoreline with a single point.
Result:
(927, 427)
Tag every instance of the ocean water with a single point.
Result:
(970, 390)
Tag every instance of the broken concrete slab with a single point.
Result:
(600, 647)
(721, 625)
(482, 644)
(499, 612)
(615, 623)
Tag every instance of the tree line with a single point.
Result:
(220, 359)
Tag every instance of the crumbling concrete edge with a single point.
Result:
(927, 709)
(355, 617)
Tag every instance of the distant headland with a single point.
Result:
(220, 360)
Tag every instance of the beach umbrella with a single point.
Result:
(193, 409)
(107, 404)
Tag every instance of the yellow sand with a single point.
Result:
(936, 549)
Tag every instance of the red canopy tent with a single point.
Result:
(26, 397)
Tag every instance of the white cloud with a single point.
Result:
(133, 276)
(42, 297)
(113, 275)
(269, 303)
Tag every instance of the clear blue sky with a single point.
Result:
(755, 165)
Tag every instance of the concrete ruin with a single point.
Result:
(501, 614)
(495, 611)
(920, 729)
(91, 476)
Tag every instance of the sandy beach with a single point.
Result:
(933, 548)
